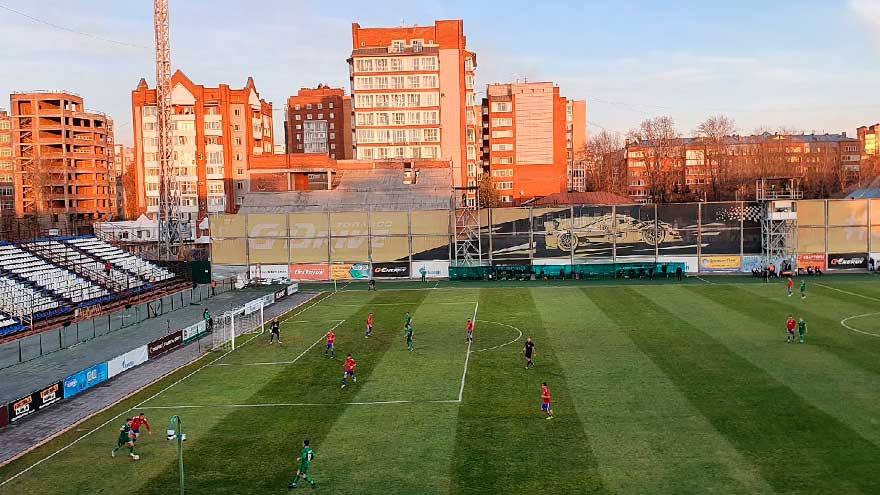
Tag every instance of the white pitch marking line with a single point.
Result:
(848, 292)
(843, 322)
(402, 304)
(467, 356)
(704, 280)
(102, 425)
(504, 344)
(303, 353)
(306, 404)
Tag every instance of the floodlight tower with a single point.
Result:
(170, 220)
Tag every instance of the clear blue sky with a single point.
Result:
(811, 65)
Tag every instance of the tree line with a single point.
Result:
(716, 164)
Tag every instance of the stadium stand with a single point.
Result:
(361, 190)
(121, 259)
(45, 281)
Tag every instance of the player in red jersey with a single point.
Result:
(790, 286)
(330, 350)
(136, 423)
(546, 404)
(369, 325)
(350, 364)
(790, 325)
(470, 332)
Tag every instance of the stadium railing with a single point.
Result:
(595, 271)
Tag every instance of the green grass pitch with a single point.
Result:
(657, 389)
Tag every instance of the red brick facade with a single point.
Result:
(319, 121)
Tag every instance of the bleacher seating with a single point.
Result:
(87, 266)
(16, 262)
(121, 259)
(46, 281)
(9, 325)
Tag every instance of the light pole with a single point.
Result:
(175, 430)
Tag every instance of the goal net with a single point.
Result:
(230, 326)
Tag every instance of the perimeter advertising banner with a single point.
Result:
(750, 263)
(816, 260)
(310, 272)
(269, 272)
(432, 269)
(127, 361)
(4, 416)
(193, 331)
(719, 264)
(350, 271)
(85, 379)
(29, 404)
(848, 261)
(167, 343)
(391, 270)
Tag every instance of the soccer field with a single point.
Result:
(661, 388)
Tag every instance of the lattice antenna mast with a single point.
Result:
(170, 220)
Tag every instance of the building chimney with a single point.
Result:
(843, 133)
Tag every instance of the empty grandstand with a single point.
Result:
(383, 189)
(44, 282)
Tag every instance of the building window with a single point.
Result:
(297, 117)
(502, 147)
(299, 127)
(237, 112)
(320, 116)
(504, 186)
(397, 46)
(296, 107)
(507, 172)
(309, 107)
(330, 105)
(309, 116)
(502, 122)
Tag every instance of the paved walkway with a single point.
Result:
(24, 378)
(17, 439)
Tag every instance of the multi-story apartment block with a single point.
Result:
(869, 140)
(319, 121)
(62, 158)
(7, 188)
(123, 161)
(694, 168)
(413, 96)
(216, 130)
(525, 140)
(575, 143)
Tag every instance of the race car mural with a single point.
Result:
(605, 229)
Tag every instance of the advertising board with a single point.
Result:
(162, 345)
(127, 361)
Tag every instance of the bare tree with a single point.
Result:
(714, 133)
(663, 156)
(606, 164)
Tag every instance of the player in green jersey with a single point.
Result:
(305, 462)
(408, 331)
(125, 439)
(802, 330)
(803, 289)
(407, 320)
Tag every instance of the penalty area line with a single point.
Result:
(467, 356)
(141, 404)
(275, 363)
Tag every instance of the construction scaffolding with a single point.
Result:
(778, 196)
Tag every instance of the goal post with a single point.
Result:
(237, 322)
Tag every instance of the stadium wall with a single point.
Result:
(709, 237)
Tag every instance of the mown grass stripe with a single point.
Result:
(823, 319)
(258, 452)
(503, 443)
(797, 447)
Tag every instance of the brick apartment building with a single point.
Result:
(123, 161)
(576, 141)
(869, 140)
(693, 168)
(319, 121)
(62, 158)
(6, 168)
(530, 136)
(217, 129)
(413, 96)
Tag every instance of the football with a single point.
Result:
(135, 457)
